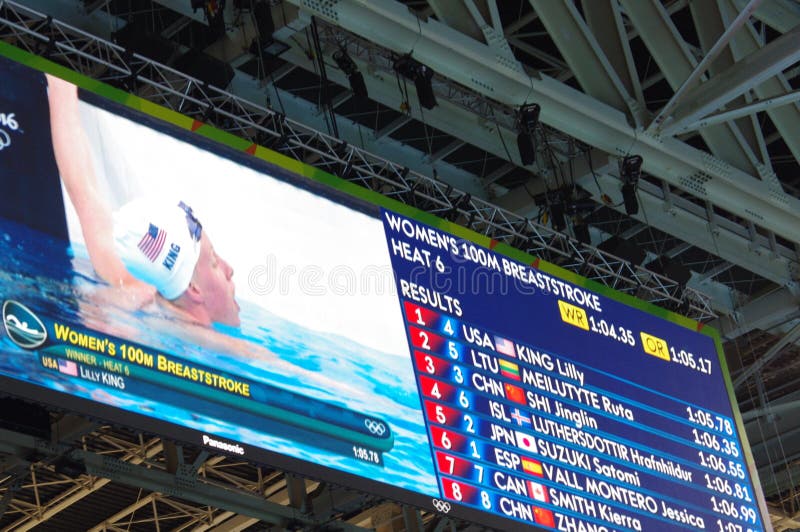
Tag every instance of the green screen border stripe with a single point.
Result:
(316, 174)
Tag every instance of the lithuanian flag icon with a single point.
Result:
(509, 370)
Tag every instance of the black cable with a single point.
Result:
(503, 142)
(403, 88)
(283, 13)
(551, 155)
(524, 185)
(313, 56)
(262, 63)
(428, 138)
(325, 83)
(277, 93)
(588, 155)
(572, 167)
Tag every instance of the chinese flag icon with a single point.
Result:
(544, 517)
(515, 393)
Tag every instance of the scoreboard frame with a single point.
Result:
(300, 174)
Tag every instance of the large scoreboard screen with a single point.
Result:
(161, 274)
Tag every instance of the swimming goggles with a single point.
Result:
(195, 227)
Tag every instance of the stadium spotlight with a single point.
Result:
(581, 231)
(529, 117)
(422, 77)
(629, 199)
(527, 120)
(578, 210)
(348, 66)
(630, 172)
(557, 212)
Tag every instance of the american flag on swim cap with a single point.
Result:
(152, 242)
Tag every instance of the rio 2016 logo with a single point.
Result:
(23, 327)
(7, 121)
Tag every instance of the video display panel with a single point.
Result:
(189, 288)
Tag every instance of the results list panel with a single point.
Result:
(554, 406)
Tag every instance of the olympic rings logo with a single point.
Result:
(375, 427)
(441, 506)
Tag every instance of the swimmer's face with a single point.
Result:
(213, 277)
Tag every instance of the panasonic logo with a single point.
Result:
(223, 446)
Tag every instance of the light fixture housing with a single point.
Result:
(527, 120)
(348, 66)
(421, 75)
(630, 171)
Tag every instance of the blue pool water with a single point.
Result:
(365, 379)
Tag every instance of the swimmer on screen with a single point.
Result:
(151, 248)
(153, 253)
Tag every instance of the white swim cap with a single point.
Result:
(159, 243)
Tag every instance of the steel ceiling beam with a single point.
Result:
(378, 141)
(781, 522)
(520, 23)
(391, 127)
(308, 112)
(252, 121)
(782, 409)
(236, 523)
(743, 110)
(128, 510)
(693, 227)
(782, 15)
(693, 80)
(78, 491)
(678, 217)
(238, 501)
(786, 119)
(500, 173)
(583, 54)
(676, 61)
(689, 222)
(778, 476)
(763, 312)
(604, 19)
(454, 13)
(493, 33)
(491, 134)
(444, 151)
(745, 74)
(131, 471)
(710, 25)
(555, 63)
(358, 135)
(474, 65)
(755, 368)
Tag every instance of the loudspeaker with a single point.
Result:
(671, 269)
(623, 249)
(527, 150)
(629, 199)
(134, 36)
(207, 69)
